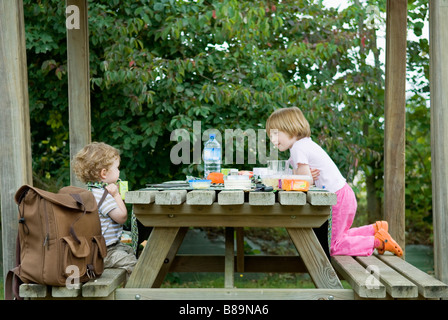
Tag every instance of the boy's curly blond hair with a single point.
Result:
(90, 160)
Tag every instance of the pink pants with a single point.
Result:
(345, 240)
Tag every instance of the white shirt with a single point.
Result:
(110, 229)
(306, 151)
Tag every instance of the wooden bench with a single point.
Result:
(101, 288)
(387, 277)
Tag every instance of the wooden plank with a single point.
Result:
(428, 286)
(315, 259)
(140, 197)
(201, 197)
(396, 285)
(153, 257)
(78, 73)
(193, 220)
(233, 294)
(66, 292)
(172, 197)
(320, 198)
(362, 282)
(15, 136)
(170, 257)
(231, 197)
(231, 210)
(292, 198)
(103, 286)
(438, 17)
(261, 198)
(395, 119)
(33, 290)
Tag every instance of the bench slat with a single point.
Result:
(96, 288)
(362, 282)
(65, 292)
(396, 285)
(104, 285)
(32, 290)
(428, 286)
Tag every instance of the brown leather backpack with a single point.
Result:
(58, 233)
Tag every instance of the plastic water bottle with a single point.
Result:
(212, 156)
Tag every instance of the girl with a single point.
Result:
(288, 129)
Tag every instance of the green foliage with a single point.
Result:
(418, 137)
(160, 65)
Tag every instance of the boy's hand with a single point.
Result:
(119, 214)
(112, 189)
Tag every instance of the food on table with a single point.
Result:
(199, 184)
(216, 177)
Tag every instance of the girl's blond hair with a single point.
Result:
(90, 160)
(289, 120)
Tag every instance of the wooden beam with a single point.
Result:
(226, 294)
(438, 15)
(15, 141)
(395, 119)
(78, 79)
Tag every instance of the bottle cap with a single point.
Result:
(212, 136)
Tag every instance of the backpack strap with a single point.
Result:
(78, 199)
(103, 198)
(12, 280)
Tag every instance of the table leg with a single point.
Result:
(161, 243)
(314, 257)
(239, 249)
(170, 257)
(229, 264)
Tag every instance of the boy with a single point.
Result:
(97, 165)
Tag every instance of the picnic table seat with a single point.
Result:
(387, 277)
(100, 288)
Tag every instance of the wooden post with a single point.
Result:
(15, 141)
(438, 15)
(78, 78)
(395, 119)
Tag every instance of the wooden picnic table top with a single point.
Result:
(171, 211)
(223, 196)
(230, 208)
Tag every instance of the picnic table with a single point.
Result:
(172, 211)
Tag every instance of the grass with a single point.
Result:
(241, 280)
